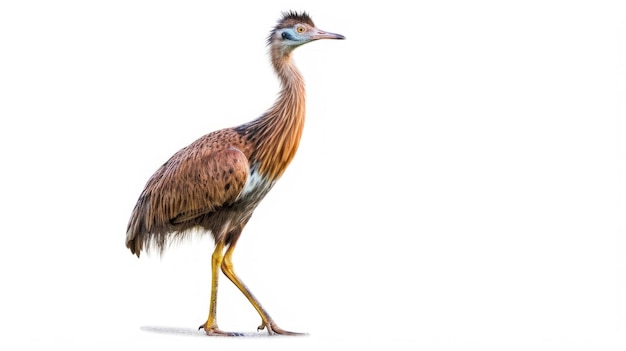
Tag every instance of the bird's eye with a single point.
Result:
(300, 29)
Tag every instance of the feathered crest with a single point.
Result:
(289, 19)
(292, 17)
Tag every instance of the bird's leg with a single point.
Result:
(267, 321)
(210, 326)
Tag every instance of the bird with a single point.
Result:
(214, 184)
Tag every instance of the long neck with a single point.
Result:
(277, 133)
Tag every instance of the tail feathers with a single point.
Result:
(134, 236)
(135, 246)
(136, 230)
(144, 235)
(150, 243)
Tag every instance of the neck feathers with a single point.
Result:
(276, 134)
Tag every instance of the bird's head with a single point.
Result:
(295, 29)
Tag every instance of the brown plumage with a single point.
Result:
(215, 183)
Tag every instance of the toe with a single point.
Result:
(273, 329)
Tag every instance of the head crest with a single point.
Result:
(292, 17)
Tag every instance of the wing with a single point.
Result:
(201, 178)
(196, 181)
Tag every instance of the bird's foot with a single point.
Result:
(273, 329)
(213, 330)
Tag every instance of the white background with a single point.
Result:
(459, 184)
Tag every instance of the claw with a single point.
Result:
(273, 329)
(215, 331)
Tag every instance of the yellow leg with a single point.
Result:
(210, 326)
(267, 322)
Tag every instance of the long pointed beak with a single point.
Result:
(320, 34)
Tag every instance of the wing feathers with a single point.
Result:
(200, 184)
